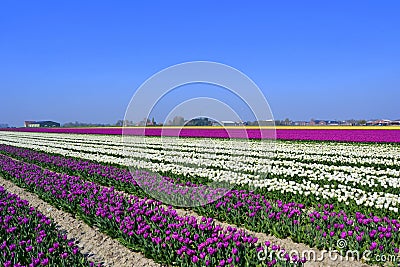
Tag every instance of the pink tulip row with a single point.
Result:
(380, 135)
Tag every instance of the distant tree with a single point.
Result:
(252, 123)
(199, 122)
(352, 122)
(84, 124)
(362, 122)
(178, 121)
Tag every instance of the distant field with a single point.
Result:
(319, 133)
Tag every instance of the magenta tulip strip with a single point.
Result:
(374, 134)
(142, 224)
(28, 238)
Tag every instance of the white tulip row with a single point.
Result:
(178, 162)
(338, 153)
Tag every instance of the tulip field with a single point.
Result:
(315, 193)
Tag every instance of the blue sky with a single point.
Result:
(83, 60)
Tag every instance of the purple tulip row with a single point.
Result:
(162, 186)
(141, 224)
(28, 238)
(119, 174)
(320, 227)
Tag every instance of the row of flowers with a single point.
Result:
(29, 238)
(234, 161)
(249, 153)
(326, 152)
(320, 225)
(297, 178)
(142, 224)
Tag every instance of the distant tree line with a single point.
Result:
(84, 124)
(180, 121)
(351, 122)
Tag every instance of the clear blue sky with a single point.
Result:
(83, 60)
